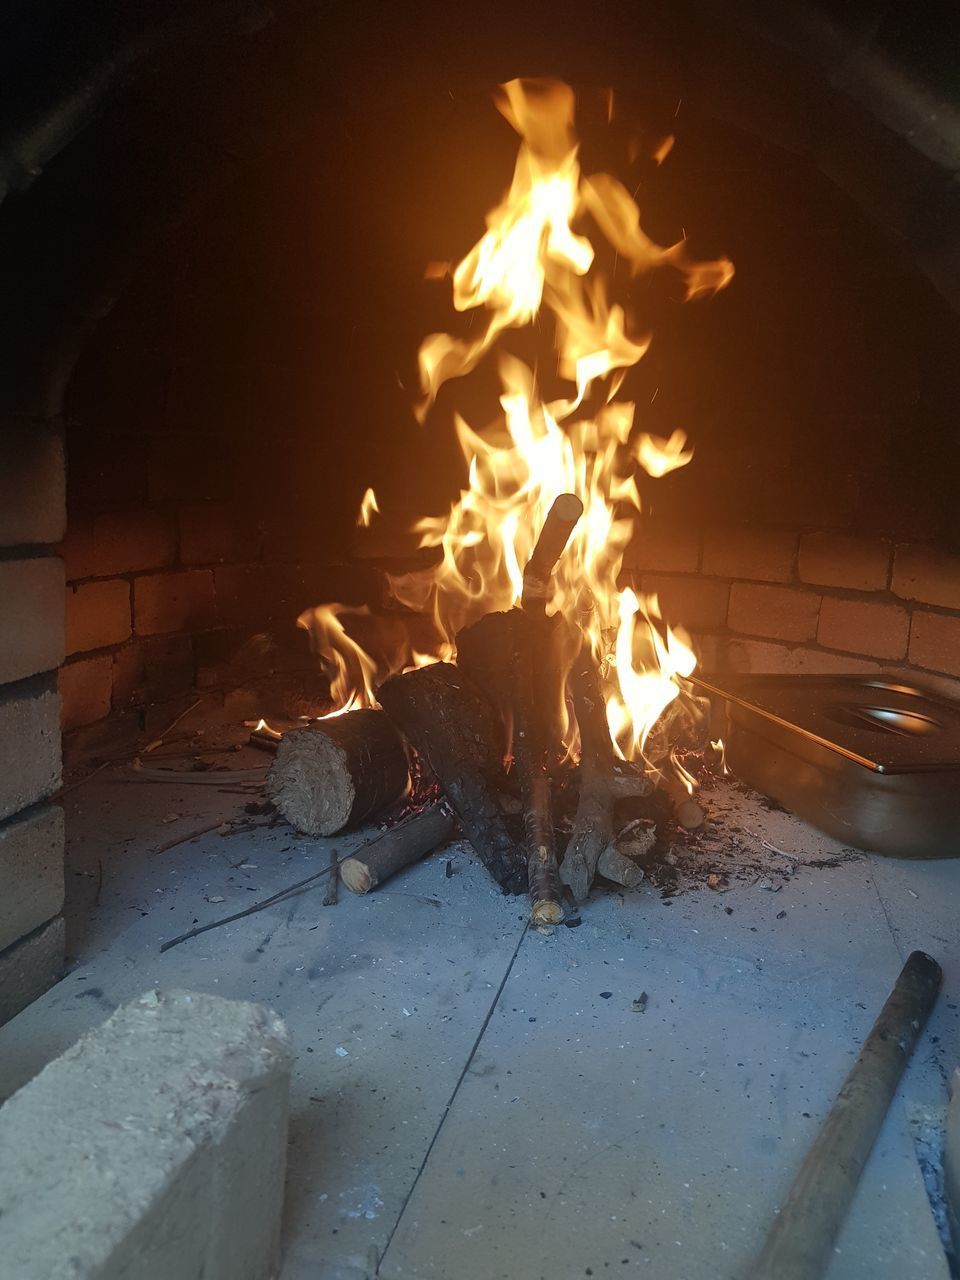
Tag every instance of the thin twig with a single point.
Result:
(330, 897)
(191, 835)
(289, 892)
(65, 791)
(765, 844)
(158, 741)
(209, 778)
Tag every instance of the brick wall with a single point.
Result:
(161, 604)
(31, 649)
(774, 601)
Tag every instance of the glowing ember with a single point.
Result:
(535, 257)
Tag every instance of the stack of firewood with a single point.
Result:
(486, 738)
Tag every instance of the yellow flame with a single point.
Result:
(368, 505)
(657, 455)
(534, 257)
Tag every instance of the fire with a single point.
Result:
(368, 505)
(535, 258)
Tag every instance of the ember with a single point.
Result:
(525, 591)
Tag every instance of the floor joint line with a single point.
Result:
(453, 1096)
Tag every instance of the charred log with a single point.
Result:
(456, 731)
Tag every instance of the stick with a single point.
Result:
(800, 1242)
(330, 897)
(338, 772)
(291, 891)
(603, 779)
(397, 848)
(559, 525)
(687, 811)
(543, 877)
(209, 778)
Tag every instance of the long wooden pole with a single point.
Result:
(800, 1242)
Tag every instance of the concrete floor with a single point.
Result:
(474, 1100)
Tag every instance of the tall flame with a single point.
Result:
(535, 256)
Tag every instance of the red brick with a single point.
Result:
(870, 627)
(152, 667)
(167, 602)
(764, 554)
(119, 542)
(32, 485)
(258, 593)
(935, 642)
(778, 612)
(699, 604)
(842, 560)
(31, 617)
(766, 658)
(209, 534)
(927, 574)
(98, 615)
(663, 548)
(85, 691)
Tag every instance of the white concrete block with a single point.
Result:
(31, 871)
(153, 1149)
(30, 967)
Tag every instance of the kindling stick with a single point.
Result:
(559, 525)
(800, 1242)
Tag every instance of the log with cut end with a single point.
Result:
(338, 772)
(401, 846)
(687, 811)
(557, 528)
(456, 731)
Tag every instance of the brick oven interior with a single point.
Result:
(215, 223)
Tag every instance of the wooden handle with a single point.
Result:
(800, 1242)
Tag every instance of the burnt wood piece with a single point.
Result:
(338, 772)
(401, 846)
(687, 811)
(486, 652)
(530, 752)
(456, 731)
(559, 525)
(603, 779)
(330, 897)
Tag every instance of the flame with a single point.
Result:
(368, 505)
(534, 258)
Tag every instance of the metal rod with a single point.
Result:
(800, 1242)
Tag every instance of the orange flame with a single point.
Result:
(368, 505)
(532, 258)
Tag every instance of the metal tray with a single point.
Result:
(875, 763)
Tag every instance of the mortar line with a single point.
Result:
(886, 916)
(453, 1096)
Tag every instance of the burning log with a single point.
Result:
(401, 846)
(530, 749)
(603, 779)
(517, 657)
(338, 772)
(454, 728)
